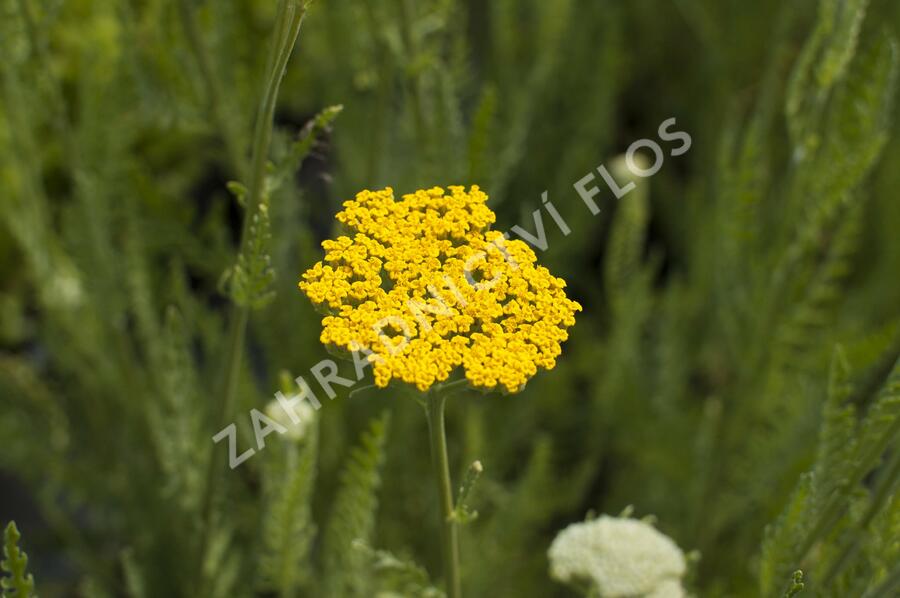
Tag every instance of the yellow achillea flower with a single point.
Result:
(423, 286)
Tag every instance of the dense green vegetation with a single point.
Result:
(734, 372)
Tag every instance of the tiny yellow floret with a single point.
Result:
(423, 286)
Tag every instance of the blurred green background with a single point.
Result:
(693, 385)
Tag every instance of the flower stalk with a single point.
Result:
(287, 28)
(434, 408)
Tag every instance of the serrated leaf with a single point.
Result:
(252, 278)
(782, 540)
(837, 438)
(20, 584)
(353, 515)
(311, 133)
(288, 530)
(397, 576)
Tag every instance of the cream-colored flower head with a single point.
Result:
(619, 558)
(670, 588)
(303, 411)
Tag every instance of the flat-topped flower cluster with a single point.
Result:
(422, 285)
(618, 557)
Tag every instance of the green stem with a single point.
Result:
(441, 465)
(290, 17)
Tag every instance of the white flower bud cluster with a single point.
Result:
(619, 558)
(303, 411)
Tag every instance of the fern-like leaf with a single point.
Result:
(288, 530)
(626, 240)
(176, 417)
(848, 452)
(842, 20)
(480, 135)
(252, 277)
(881, 425)
(311, 133)
(857, 121)
(782, 540)
(353, 515)
(396, 576)
(823, 197)
(837, 439)
(822, 62)
(20, 583)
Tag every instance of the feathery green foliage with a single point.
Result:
(253, 275)
(19, 584)
(835, 511)
(396, 576)
(352, 516)
(288, 528)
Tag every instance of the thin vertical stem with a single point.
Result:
(441, 465)
(287, 28)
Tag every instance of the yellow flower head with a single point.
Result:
(422, 286)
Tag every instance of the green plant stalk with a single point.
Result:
(290, 17)
(434, 408)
